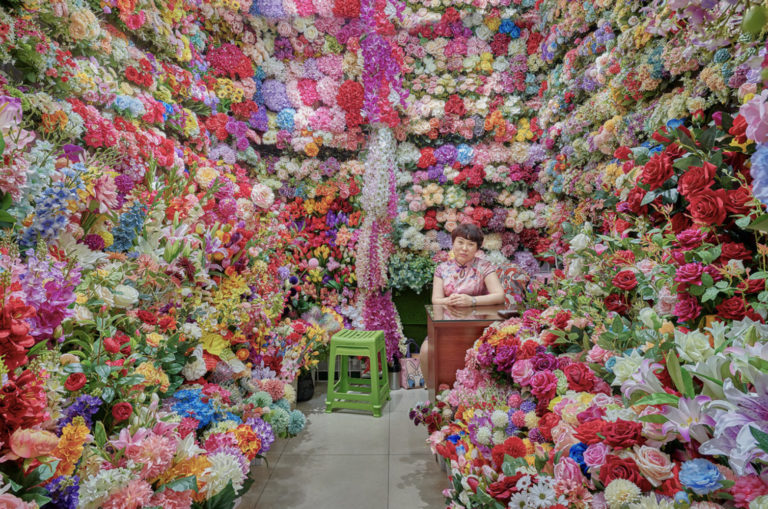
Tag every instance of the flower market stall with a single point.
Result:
(195, 195)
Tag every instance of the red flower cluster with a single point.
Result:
(346, 8)
(455, 105)
(473, 175)
(350, 99)
(15, 339)
(143, 79)
(229, 60)
(23, 404)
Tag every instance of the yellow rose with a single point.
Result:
(82, 25)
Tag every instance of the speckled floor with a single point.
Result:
(350, 460)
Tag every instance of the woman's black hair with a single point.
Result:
(470, 232)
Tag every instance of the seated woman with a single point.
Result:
(465, 280)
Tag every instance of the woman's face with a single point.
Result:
(464, 250)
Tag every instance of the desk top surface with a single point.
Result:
(441, 313)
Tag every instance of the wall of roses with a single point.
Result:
(632, 378)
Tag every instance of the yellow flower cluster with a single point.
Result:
(153, 375)
(226, 89)
(195, 465)
(70, 446)
(524, 132)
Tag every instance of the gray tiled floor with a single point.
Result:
(348, 460)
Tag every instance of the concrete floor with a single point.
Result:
(351, 460)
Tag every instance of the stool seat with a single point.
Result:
(368, 394)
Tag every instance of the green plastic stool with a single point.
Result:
(357, 393)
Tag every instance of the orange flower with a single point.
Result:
(70, 446)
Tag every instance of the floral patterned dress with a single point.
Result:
(468, 279)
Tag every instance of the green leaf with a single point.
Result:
(673, 367)
(655, 418)
(617, 326)
(183, 484)
(760, 224)
(5, 199)
(696, 290)
(100, 434)
(2, 143)
(707, 280)
(37, 348)
(5, 217)
(761, 437)
(108, 394)
(649, 197)
(710, 294)
(707, 138)
(687, 383)
(103, 371)
(706, 377)
(659, 398)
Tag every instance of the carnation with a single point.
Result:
(621, 492)
(224, 469)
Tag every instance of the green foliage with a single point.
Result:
(410, 271)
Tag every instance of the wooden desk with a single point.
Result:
(452, 331)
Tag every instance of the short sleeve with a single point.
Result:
(440, 271)
(485, 268)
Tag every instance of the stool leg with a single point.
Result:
(344, 373)
(375, 388)
(330, 396)
(384, 373)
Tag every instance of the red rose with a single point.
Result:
(122, 411)
(739, 129)
(696, 179)
(657, 170)
(734, 251)
(561, 320)
(503, 489)
(752, 285)
(427, 158)
(588, 432)
(623, 257)
(624, 434)
(75, 382)
(634, 200)
(708, 207)
(625, 280)
(513, 446)
(732, 309)
(737, 200)
(618, 468)
(679, 223)
(544, 385)
(580, 377)
(622, 153)
(455, 105)
(617, 303)
(111, 345)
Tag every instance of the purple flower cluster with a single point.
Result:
(64, 492)
(265, 432)
(85, 406)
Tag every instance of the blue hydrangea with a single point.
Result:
(465, 153)
(759, 172)
(674, 124)
(701, 476)
(284, 119)
(508, 27)
(296, 422)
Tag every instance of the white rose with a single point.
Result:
(649, 317)
(595, 290)
(625, 367)
(262, 196)
(576, 267)
(125, 296)
(83, 314)
(693, 346)
(105, 295)
(579, 242)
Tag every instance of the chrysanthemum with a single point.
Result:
(650, 502)
(155, 453)
(223, 470)
(621, 492)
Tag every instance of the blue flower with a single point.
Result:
(284, 119)
(576, 453)
(296, 423)
(64, 492)
(759, 172)
(674, 124)
(610, 363)
(464, 153)
(681, 497)
(701, 476)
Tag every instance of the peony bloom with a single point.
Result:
(32, 443)
(755, 112)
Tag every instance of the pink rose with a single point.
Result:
(755, 112)
(599, 355)
(594, 455)
(653, 464)
(665, 304)
(522, 371)
(569, 471)
(562, 436)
